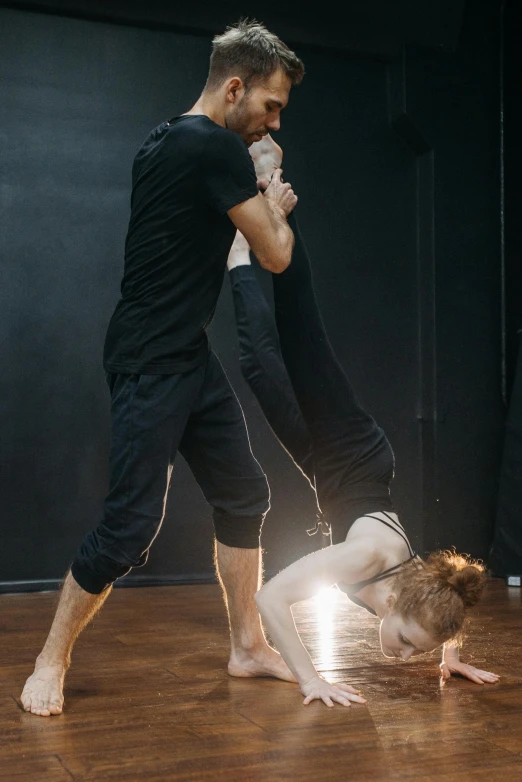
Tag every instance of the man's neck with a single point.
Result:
(210, 108)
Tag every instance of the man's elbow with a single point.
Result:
(282, 266)
(277, 262)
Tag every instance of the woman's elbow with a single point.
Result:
(270, 600)
(262, 595)
(266, 597)
(260, 601)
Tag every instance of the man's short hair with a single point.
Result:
(250, 51)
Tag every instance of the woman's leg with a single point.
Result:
(321, 386)
(261, 361)
(353, 459)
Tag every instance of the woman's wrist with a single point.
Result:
(304, 681)
(450, 653)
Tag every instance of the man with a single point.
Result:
(193, 184)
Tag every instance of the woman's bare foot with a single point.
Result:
(43, 691)
(256, 663)
(239, 254)
(267, 157)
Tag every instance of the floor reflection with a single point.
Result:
(325, 603)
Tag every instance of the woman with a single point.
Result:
(312, 409)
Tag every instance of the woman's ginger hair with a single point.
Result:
(436, 592)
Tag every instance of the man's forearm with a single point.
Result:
(284, 237)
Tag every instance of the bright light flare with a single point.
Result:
(325, 602)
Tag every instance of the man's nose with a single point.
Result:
(275, 124)
(406, 654)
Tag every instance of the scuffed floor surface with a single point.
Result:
(148, 698)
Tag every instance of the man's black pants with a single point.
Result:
(153, 417)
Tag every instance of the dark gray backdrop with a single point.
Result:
(396, 166)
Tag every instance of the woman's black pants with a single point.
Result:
(306, 396)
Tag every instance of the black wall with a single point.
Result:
(505, 556)
(397, 167)
(512, 175)
(375, 27)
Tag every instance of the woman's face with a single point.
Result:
(404, 638)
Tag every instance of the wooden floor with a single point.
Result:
(148, 698)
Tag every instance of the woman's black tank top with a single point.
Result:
(351, 589)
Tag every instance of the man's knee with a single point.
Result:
(99, 563)
(238, 531)
(238, 520)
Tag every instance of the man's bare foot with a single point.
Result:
(267, 157)
(256, 663)
(239, 254)
(43, 691)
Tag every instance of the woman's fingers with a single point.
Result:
(328, 693)
(351, 697)
(351, 693)
(476, 675)
(445, 671)
(469, 672)
(348, 688)
(474, 678)
(488, 677)
(341, 695)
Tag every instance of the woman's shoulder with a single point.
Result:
(364, 558)
(389, 541)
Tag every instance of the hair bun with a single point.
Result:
(469, 583)
(464, 575)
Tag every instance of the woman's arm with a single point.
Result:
(348, 562)
(452, 664)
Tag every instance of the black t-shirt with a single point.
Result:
(186, 176)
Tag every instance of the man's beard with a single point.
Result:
(238, 120)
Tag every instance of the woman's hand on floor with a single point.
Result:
(321, 690)
(448, 667)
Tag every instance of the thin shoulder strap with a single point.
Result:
(398, 531)
(393, 520)
(380, 576)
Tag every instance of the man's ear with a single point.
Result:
(233, 90)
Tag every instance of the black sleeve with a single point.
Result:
(227, 174)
